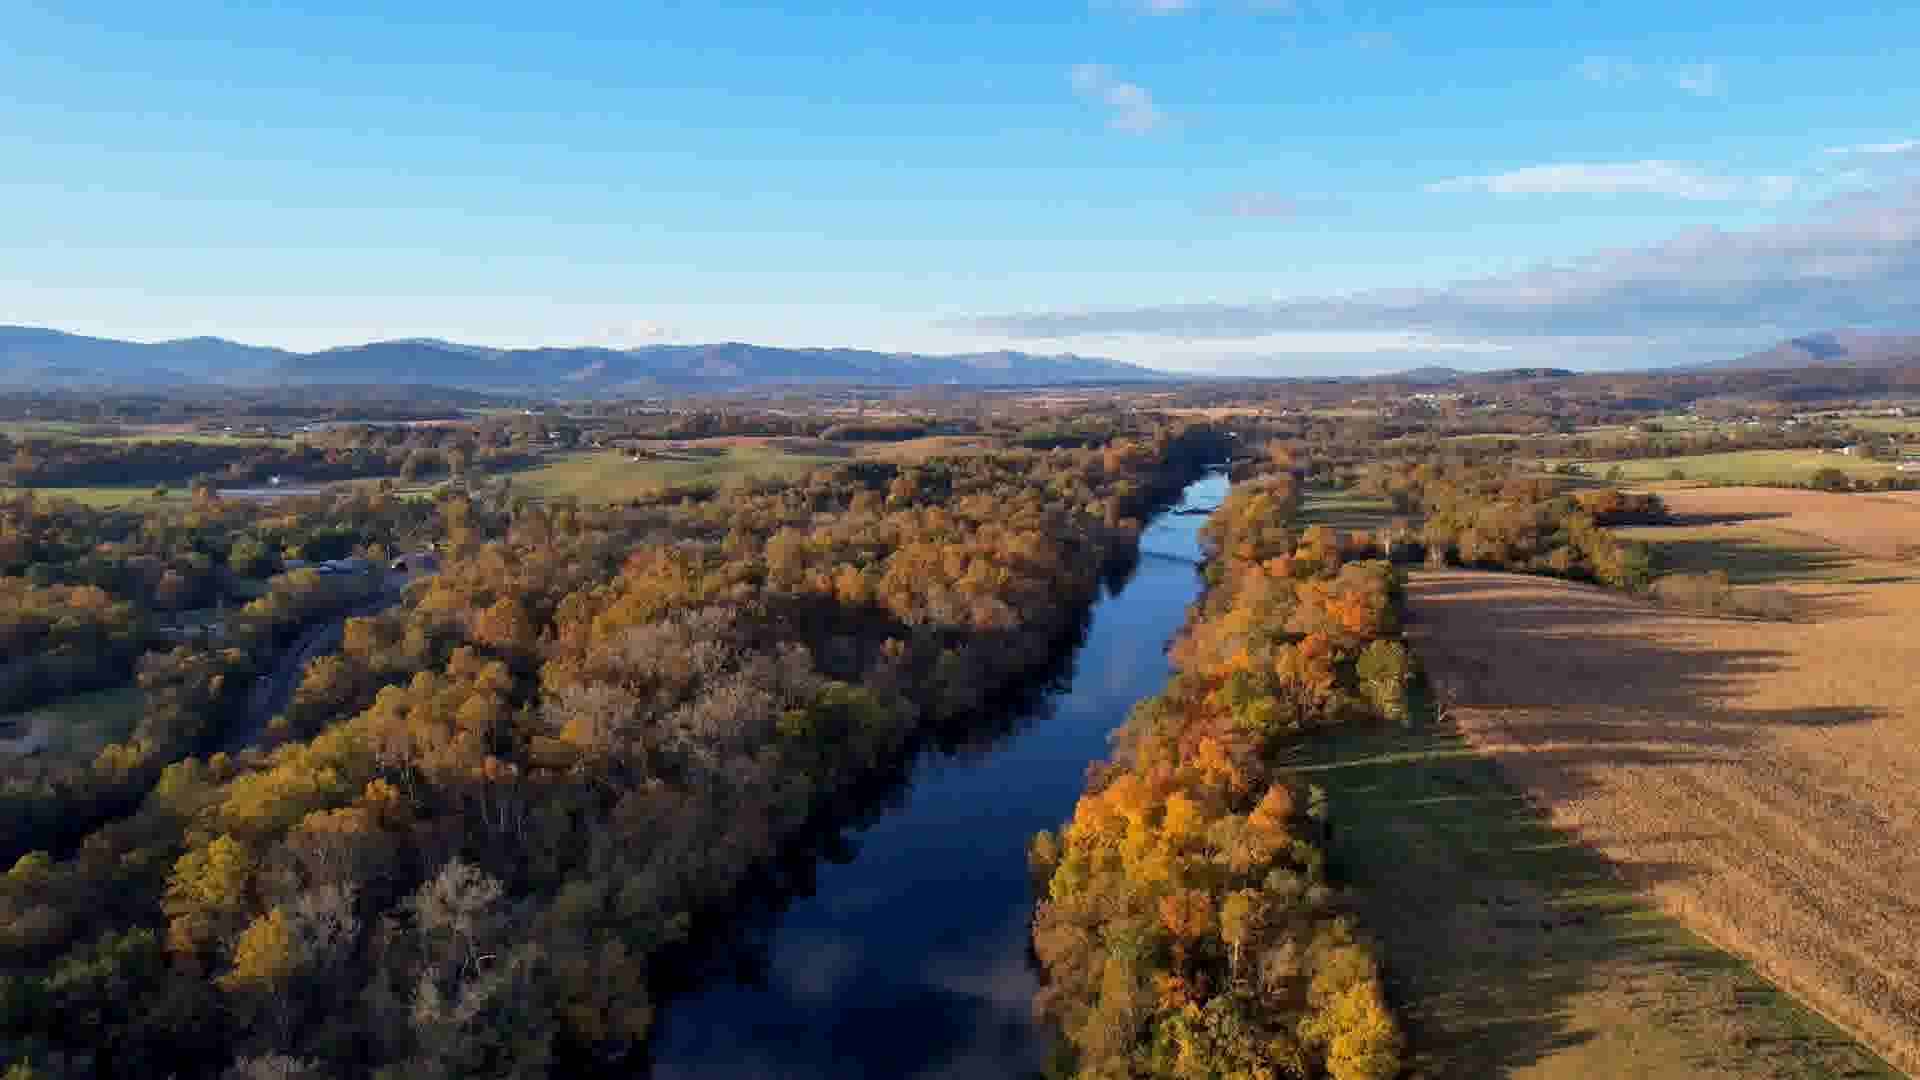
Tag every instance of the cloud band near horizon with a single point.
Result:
(1669, 178)
(1855, 262)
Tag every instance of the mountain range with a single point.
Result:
(37, 358)
(43, 359)
(1829, 348)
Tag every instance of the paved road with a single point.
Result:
(273, 691)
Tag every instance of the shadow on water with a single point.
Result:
(891, 940)
(741, 945)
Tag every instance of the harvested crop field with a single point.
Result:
(1876, 525)
(1513, 952)
(928, 447)
(1755, 779)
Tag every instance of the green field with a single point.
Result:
(103, 496)
(1775, 467)
(74, 431)
(73, 728)
(1891, 425)
(1491, 437)
(610, 476)
(1513, 951)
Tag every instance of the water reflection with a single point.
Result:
(908, 958)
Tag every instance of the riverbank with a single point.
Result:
(907, 951)
(1187, 925)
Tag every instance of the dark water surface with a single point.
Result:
(910, 959)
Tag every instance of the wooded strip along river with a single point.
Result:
(910, 959)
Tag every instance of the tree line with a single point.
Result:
(54, 463)
(1187, 927)
(473, 843)
(1494, 517)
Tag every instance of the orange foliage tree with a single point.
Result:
(1190, 864)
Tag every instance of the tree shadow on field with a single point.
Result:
(1736, 517)
(1510, 943)
(1746, 560)
(1576, 677)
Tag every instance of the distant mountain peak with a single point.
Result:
(1832, 348)
(1826, 345)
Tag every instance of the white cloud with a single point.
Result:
(1129, 106)
(1143, 7)
(626, 335)
(1700, 80)
(1854, 262)
(1901, 148)
(1176, 7)
(1262, 204)
(1606, 70)
(1357, 343)
(1669, 178)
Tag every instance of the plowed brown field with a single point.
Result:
(1874, 525)
(1761, 781)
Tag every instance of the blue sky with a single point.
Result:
(1238, 186)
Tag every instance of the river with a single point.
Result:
(910, 959)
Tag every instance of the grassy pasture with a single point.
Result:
(74, 431)
(1492, 437)
(1219, 412)
(1751, 779)
(1889, 425)
(1515, 951)
(1788, 467)
(610, 475)
(105, 496)
(913, 451)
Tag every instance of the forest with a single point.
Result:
(471, 843)
(88, 590)
(92, 595)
